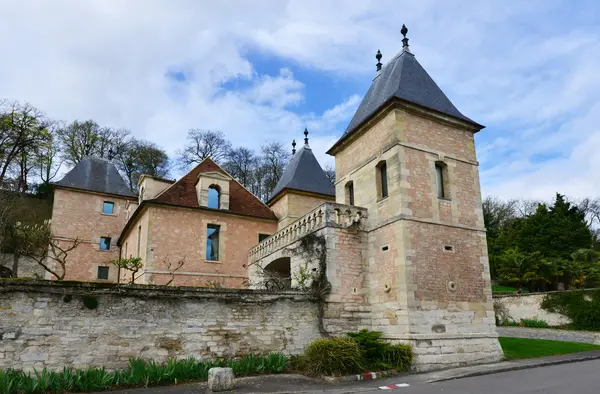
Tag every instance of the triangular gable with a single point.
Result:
(183, 192)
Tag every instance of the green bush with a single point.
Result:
(534, 323)
(370, 343)
(398, 356)
(380, 355)
(582, 307)
(139, 373)
(332, 356)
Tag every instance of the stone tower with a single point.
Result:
(408, 156)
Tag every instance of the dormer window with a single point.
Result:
(214, 197)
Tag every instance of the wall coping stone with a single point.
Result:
(542, 293)
(149, 291)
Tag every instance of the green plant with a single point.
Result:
(139, 373)
(90, 302)
(133, 264)
(397, 356)
(582, 307)
(534, 323)
(332, 356)
(67, 298)
(370, 343)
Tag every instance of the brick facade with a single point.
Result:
(78, 214)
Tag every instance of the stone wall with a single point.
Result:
(528, 306)
(45, 323)
(28, 267)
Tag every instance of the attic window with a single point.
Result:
(214, 197)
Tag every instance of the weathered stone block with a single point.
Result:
(220, 379)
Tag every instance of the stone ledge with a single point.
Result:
(147, 291)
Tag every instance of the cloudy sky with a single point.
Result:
(263, 70)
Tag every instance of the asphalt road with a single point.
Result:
(573, 378)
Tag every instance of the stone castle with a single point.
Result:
(404, 240)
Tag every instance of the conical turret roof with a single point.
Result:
(303, 173)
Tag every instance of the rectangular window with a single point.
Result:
(104, 243)
(103, 273)
(262, 237)
(212, 242)
(350, 193)
(439, 172)
(139, 240)
(384, 182)
(108, 208)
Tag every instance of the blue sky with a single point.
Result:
(263, 70)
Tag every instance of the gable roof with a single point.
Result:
(304, 173)
(403, 78)
(98, 175)
(183, 193)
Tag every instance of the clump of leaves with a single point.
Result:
(90, 302)
(534, 323)
(380, 355)
(582, 307)
(132, 264)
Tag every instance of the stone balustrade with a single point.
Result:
(325, 215)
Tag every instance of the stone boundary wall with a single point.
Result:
(528, 306)
(550, 334)
(47, 324)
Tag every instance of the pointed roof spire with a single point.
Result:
(404, 30)
(402, 79)
(378, 57)
(293, 147)
(304, 173)
(305, 136)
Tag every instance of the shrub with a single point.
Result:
(90, 302)
(534, 323)
(582, 307)
(398, 356)
(332, 356)
(370, 343)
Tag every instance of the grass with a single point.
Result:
(506, 289)
(519, 348)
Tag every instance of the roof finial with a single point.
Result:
(378, 57)
(293, 147)
(305, 136)
(404, 30)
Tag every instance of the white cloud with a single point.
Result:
(526, 69)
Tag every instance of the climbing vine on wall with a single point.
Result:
(313, 248)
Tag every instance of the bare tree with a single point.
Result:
(591, 209)
(330, 173)
(273, 160)
(37, 242)
(241, 163)
(202, 144)
(79, 140)
(173, 267)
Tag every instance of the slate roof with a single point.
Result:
(304, 173)
(98, 175)
(241, 201)
(405, 79)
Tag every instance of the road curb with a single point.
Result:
(363, 376)
(516, 367)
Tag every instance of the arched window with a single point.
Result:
(441, 176)
(214, 197)
(382, 180)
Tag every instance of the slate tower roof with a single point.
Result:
(304, 173)
(98, 175)
(403, 78)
